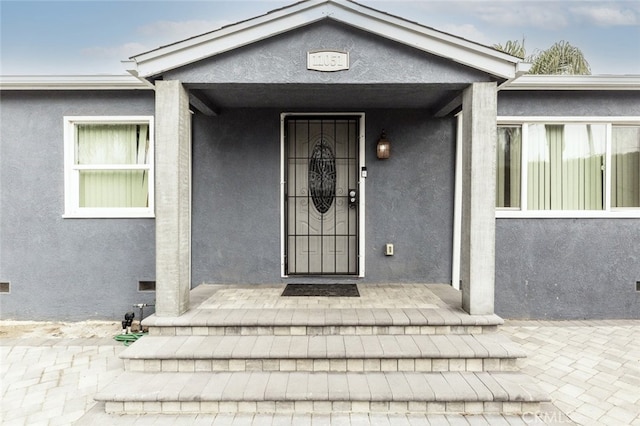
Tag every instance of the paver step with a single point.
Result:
(273, 392)
(97, 416)
(322, 322)
(323, 353)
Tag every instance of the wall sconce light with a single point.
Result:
(384, 147)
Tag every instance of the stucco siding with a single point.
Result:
(410, 198)
(283, 59)
(236, 196)
(588, 103)
(75, 269)
(567, 268)
(236, 210)
(64, 269)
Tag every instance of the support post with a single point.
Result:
(173, 198)
(479, 106)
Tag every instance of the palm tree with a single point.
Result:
(513, 48)
(560, 58)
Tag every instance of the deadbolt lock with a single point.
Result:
(353, 198)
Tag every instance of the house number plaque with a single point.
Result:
(327, 60)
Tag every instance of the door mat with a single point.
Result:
(329, 290)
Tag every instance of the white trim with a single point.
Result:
(362, 199)
(104, 213)
(361, 186)
(524, 176)
(71, 202)
(607, 166)
(514, 119)
(72, 82)
(457, 208)
(110, 167)
(283, 228)
(608, 211)
(567, 214)
(300, 14)
(574, 82)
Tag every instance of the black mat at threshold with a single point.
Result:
(330, 290)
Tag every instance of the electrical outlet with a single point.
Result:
(388, 250)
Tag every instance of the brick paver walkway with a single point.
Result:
(53, 381)
(590, 368)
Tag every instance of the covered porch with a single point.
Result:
(227, 91)
(473, 218)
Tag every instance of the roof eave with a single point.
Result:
(230, 37)
(575, 82)
(71, 82)
(298, 15)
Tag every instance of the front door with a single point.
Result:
(321, 195)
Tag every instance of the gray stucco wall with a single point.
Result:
(569, 103)
(89, 268)
(236, 198)
(75, 269)
(568, 268)
(64, 269)
(283, 59)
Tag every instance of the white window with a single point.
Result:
(109, 166)
(568, 167)
(625, 167)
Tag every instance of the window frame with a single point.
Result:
(72, 207)
(607, 211)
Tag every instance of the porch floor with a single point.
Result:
(400, 305)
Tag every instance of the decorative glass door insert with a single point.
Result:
(321, 195)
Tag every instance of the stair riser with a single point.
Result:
(319, 330)
(431, 407)
(240, 358)
(323, 365)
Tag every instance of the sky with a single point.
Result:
(54, 37)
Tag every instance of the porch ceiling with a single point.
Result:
(431, 98)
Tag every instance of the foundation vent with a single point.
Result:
(5, 287)
(146, 286)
